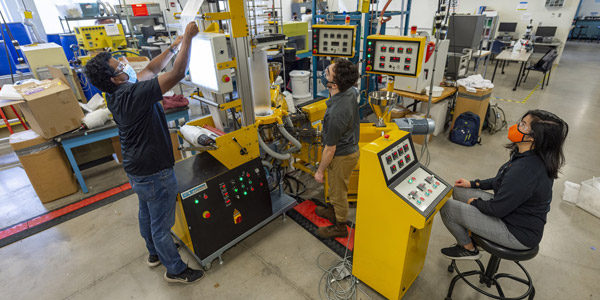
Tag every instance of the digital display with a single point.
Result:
(335, 43)
(395, 59)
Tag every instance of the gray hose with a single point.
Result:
(267, 164)
(266, 148)
(288, 121)
(287, 135)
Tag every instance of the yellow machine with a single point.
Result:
(395, 55)
(100, 37)
(333, 40)
(398, 200)
(398, 196)
(297, 34)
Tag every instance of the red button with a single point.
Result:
(387, 136)
(252, 189)
(314, 51)
(314, 35)
(261, 184)
(422, 199)
(248, 175)
(205, 196)
(369, 68)
(429, 190)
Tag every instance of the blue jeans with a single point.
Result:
(157, 194)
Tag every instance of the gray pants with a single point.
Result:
(460, 217)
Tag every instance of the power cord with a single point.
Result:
(339, 283)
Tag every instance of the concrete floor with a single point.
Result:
(100, 255)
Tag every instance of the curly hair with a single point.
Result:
(345, 74)
(99, 72)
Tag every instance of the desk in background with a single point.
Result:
(75, 139)
(507, 55)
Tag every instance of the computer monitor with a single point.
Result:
(148, 31)
(507, 27)
(546, 31)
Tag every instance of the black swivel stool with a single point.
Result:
(489, 275)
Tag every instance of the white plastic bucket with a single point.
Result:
(300, 84)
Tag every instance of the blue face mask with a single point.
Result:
(130, 73)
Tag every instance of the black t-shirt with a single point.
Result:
(144, 135)
(341, 127)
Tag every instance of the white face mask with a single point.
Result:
(130, 73)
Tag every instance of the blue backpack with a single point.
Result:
(466, 129)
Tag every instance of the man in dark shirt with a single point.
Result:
(148, 160)
(341, 132)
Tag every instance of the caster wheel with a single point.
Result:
(451, 268)
(207, 267)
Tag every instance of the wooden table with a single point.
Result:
(448, 92)
(507, 55)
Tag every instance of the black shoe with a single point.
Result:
(189, 275)
(458, 252)
(153, 260)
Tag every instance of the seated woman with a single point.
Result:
(515, 215)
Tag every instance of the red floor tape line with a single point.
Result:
(61, 211)
(307, 210)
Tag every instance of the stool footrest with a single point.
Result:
(490, 279)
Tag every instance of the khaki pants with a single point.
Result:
(338, 176)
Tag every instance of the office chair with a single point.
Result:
(543, 65)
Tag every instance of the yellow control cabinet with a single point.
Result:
(100, 37)
(398, 199)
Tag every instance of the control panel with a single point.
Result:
(410, 180)
(220, 204)
(395, 55)
(100, 37)
(333, 40)
(397, 158)
(421, 188)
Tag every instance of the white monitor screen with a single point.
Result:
(203, 71)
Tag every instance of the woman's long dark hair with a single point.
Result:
(549, 133)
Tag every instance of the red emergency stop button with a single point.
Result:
(315, 51)
(238, 220)
(369, 68)
(206, 214)
(387, 136)
(225, 78)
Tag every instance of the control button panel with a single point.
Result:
(420, 188)
(397, 158)
(396, 55)
(333, 40)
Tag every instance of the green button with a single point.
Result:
(196, 201)
(245, 193)
(250, 181)
(410, 181)
(243, 186)
(241, 178)
(235, 190)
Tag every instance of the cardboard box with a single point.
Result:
(50, 107)
(46, 165)
(94, 151)
(174, 140)
(476, 103)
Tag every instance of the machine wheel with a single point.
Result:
(207, 267)
(450, 268)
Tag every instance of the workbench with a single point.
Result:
(71, 140)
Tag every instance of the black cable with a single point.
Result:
(12, 77)
(19, 58)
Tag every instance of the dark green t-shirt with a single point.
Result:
(341, 126)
